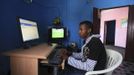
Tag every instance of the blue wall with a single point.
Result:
(111, 3)
(77, 11)
(43, 12)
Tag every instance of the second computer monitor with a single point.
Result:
(57, 34)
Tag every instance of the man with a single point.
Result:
(92, 55)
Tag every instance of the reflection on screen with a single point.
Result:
(28, 29)
(57, 33)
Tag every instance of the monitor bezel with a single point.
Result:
(56, 40)
(20, 31)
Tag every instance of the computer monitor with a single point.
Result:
(29, 30)
(57, 34)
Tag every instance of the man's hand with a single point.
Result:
(64, 54)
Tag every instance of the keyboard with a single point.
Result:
(54, 45)
(54, 56)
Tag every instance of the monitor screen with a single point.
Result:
(29, 30)
(57, 33)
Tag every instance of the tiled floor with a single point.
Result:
(126, 68)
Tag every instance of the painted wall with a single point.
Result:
(77, 11)
(111, 3)
(38, 11)
(43, 12)
(117, 14)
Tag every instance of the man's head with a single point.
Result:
(85, 29)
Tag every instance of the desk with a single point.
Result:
(25, 61)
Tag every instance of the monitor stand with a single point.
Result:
(52, 44)
(26, 46)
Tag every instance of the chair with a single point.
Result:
(114, 59)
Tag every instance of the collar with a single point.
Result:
(90, 37)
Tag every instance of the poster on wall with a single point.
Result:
(124, 22)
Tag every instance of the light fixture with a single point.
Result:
(28, 1)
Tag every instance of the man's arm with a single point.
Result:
(95, 47)
(77, 55)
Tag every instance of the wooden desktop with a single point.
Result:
(25, 61)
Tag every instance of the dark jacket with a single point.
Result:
(96, 52)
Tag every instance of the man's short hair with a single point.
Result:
(88, 24)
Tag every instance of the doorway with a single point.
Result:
(109, 32)
(128, 42)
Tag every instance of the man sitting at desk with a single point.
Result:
(92, 55)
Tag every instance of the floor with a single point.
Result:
(126, 68)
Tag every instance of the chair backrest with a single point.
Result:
(114, 59)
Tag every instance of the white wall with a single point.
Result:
(120, 32)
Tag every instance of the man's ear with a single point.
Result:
(89, 30)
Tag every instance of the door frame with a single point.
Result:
(97, 16)
(129, 56)
(105, 30)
